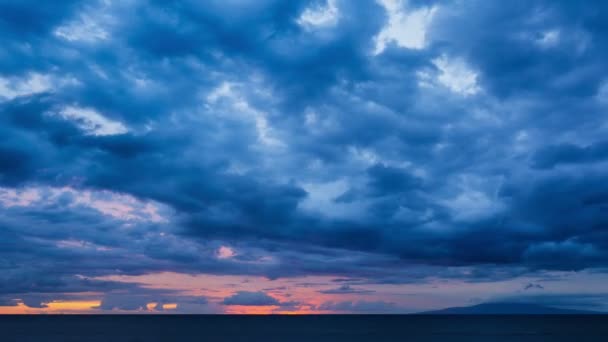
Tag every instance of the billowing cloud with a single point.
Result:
(414, 143)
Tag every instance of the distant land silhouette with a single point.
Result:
(509, 309)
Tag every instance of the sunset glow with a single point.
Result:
(62, 307)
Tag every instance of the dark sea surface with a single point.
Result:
(303, 328)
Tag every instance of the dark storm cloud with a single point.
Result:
(23, 18)
(298, 142)
(552, 156)
(513, 67)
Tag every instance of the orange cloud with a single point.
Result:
(58, 307)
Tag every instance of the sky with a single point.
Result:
(272, 156)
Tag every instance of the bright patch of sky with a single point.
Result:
(321, 198)
(33, 83)
(548, 38)
(119, 206)
(91, 121)
(320, 16)
(84, 29)
(407, 28)
(225, 252)
(238, 102)
(456, 75)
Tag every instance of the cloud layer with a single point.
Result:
(390, 142)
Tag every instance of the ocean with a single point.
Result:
(334, 328)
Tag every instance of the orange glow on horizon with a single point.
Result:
(297, 296)
(20, 309)
(73, 305)
(59, 307)
(170, 306)
(153, 306)
(251, 310)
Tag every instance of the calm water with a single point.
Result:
(302, 328)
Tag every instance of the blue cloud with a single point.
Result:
(485, 148)
(250, 299)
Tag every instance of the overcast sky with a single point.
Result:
(274, 156)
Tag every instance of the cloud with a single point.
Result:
(92, 122)
(8, 302)
(88, 26)
(35, 302)
(456, 76)
(570, 154)
(33, 83)
(391, 142)
(124, 302)
(532, 286)
(150, 300)
(225, 252)
(406, 26)
(248, 298)
(25, 19)
(320, 16)
(346, 289)
(571, 253)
